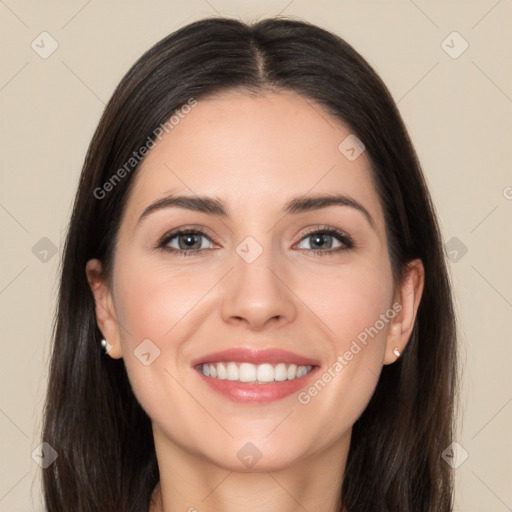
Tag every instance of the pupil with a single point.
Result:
(319, 239)
(190, 240)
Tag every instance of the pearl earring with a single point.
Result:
(105, 345)
(396, 352)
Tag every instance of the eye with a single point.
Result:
(323, 240)
(184, 242)
(189, 242)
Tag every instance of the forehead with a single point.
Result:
(253, 151)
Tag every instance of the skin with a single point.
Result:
(252, 152)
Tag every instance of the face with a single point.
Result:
(291, 311)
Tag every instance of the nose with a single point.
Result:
(256, 294)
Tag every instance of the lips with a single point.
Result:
(256, 392)
(256, 356)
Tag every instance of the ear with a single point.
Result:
(406, 301)
(105, 312)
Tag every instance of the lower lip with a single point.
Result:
(243, 392)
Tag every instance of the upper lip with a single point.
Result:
(255, 356)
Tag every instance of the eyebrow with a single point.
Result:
(219, 208)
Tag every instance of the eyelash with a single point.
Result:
(342, 237)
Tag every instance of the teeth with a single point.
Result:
(262, 373)
(291, 373)
(280, 372)
(301, 371)
(265, 373)
(246, 372)
(231, 371)
(221, 370)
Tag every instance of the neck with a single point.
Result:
(193, 484)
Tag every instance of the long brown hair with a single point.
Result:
(106, 456)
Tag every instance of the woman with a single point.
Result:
(254, 246)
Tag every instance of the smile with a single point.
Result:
(250, 375)
(260, 374)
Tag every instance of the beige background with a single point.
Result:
(458, 111)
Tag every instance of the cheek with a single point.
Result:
(356, 308)
(150, 303)
(351, 302)
(153, 300)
